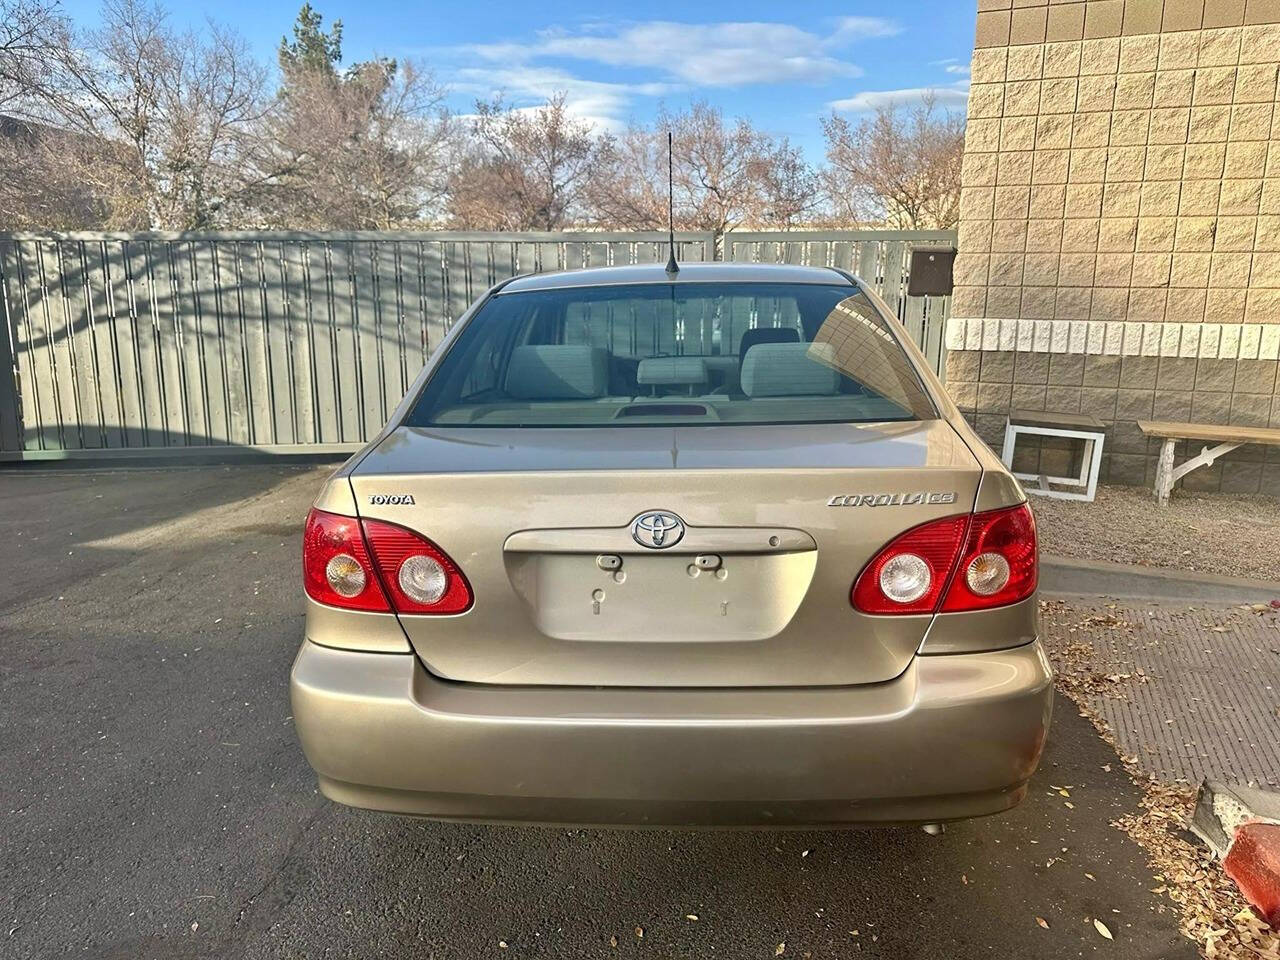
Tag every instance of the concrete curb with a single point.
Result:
(1242, 826)
(1065, 577)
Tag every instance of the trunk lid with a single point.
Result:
(777, 523)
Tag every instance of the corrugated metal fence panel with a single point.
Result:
(879, 258)
(276, 340)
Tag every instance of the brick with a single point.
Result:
(1165, 162)
(1053, 131)
(1220, 48)
(979, 169)
(1209, 124)
(1120, 199)
(1126, 164)
(1158, 199)
(1080, 235)
(1215, 375)
(1256, 376)
(1047, 201)
(971, 269)
(1223, 13)
(1058, 95)
(1096, 93)
(1031, 368)
(1050, 166)
(1066, 22)
(1073, 303)
(1170, 125)
(1134, 91)
(1261, 11)
(1142, 16)
(1134, 404)
(994, 397)
(1084, 200)
(1224, 306)
(988, 66)
(1076, 269)
(1011, 203)
(1004, 302)
(1230, 270)
(996, 366)
(1187, 269)
(1147, 305)
(1025, 63)
(982, 135)
(1113, 270)
(1104, 18)
(1099, 402)
(1172, 405)
(1194, 234)
(1100, 55)
(1066, 369)
(1129, 127)
(993, 29)
(1038, 303)
(1017, 133)
(1183, 15)
(1090, 130)
(1101, 371)
(976, 203)
(1005, 270)
(1200, 198)
(1109, 303)
(1028, 25)
(1043, 236)
(1151, 269)
(1244, 160)
(1214, 85)
(1210, 408)
(1186, 306)
(1250, 121)
(1118, 234)
(1063, 59)
(1008, 236)
(1235, 234)
(969, 302)
(1155, 234)
(1249, 410)
(1179, 50)
(1204, 161)
(1022, 98)
(1014, 168)
(1260, 44)
(1265, 273)
(1139, 372)
(1173, 88)
(1040, 270)
(1088, 165)
(974, 236)
(1063, 399)
(1270, 202)
(1268, 237)
(986, 100)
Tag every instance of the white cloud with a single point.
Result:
(949, 97)
(962, 69)
(724, 54)
(599, 102)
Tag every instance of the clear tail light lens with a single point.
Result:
(377, 566)
(967, 562)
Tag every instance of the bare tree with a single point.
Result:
(899, 166)
(29, 30)
(726, 174)
(368, 147)
(525, 169)
(159, 120)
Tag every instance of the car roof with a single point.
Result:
(689, 273)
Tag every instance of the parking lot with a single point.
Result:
(155, 802)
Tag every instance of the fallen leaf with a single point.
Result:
(780, 949)
(1043, 922)
(1068, 804)
(502, 944)
(640, 932)
(806, 853)
(691, 916)
(613, 941)
(1102, 928)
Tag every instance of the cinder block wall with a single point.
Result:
(1120, 225)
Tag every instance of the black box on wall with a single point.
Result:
(931, 272)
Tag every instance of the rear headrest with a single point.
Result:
(672, 371)
(758, 335)
(790, 370)
(557, 372)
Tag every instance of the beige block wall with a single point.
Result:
(1121, 182)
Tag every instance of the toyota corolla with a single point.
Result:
(710, 547)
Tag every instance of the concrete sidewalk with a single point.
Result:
(1191, 691)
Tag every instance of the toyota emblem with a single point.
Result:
(657, 530)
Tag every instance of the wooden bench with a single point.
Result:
(1226, 438)
(1073, 426)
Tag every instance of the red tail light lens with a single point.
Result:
(1000, 564)
(336, 569)
(418, 575)
(377, 566)
(968, 562)
(928, 551)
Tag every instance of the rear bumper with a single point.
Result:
(954, 736)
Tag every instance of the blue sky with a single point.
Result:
(782, 65)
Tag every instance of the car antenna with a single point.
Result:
(672, 267)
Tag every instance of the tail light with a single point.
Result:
(969, 562)
(377, 566)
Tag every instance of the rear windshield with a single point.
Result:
(674, 354)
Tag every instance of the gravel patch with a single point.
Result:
(1234, 536)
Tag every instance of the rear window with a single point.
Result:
(674, 354)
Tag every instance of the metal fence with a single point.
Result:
(126, 343)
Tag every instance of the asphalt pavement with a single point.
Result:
(154, 802)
